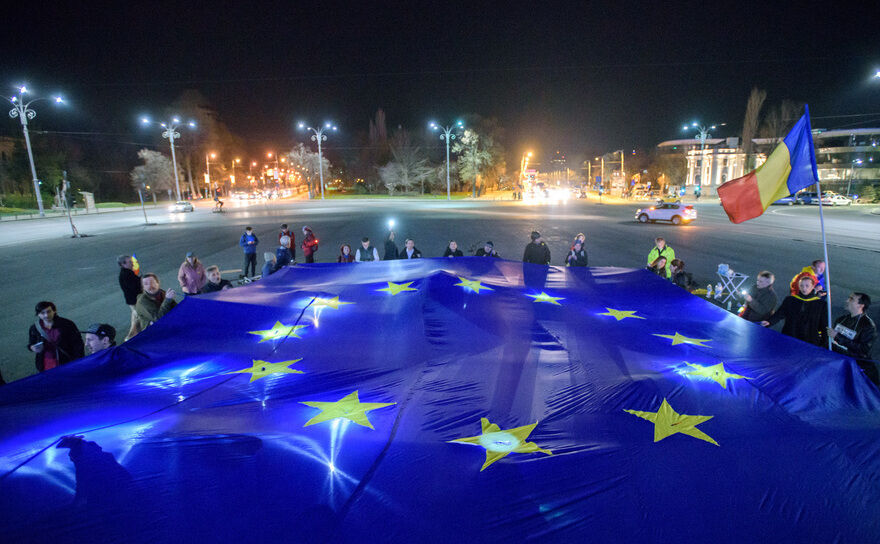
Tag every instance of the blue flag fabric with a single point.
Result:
(465, 400)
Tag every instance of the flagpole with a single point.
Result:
(827, 264)
(822, 227)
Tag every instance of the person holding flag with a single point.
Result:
(790, 167)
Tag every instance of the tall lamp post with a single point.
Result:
(851, 171)
(170, 132)
(232, 178)
(21, 109)
(318, 136)
(446, 134)
(208, 173)
(702, 135)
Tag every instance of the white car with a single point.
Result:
(181, 206)
(834, 199)
(676, 213)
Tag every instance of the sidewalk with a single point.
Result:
(50, 213)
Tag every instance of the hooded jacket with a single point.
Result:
(192, 277)
(805, 318)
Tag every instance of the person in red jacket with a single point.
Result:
(309, 245)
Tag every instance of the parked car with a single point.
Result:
(181, 206)
(808, 198)
(786, 201)
(676, 213)
(834, 199)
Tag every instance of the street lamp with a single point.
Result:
(170, 132)
(232, 178)
(523, 164)
(208, 172)
(702, 135)
(318, 136)
(851, 169)
(446, 134)
(21, 109)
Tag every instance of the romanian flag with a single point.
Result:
(788, 169)
(135, 265)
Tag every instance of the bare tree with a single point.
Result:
(407, 166)
(780, 120)
(156, 174)
(750, 123)
(309, 163)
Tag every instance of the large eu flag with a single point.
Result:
(445, 400)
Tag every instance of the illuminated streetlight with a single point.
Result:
(208, 172)
(446, 134)
(21, 109)
(318, 136)
(232, 178)
(170, 132)
(702, 135)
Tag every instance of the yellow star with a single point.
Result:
(668, 422)
(544, 297)
(621, 314)
(279, 330)
(680, 339)
(348, 407)
(714, 372)
(334, 303)
(473, 285)
(498, 443)
(395, 288)
(261, 369)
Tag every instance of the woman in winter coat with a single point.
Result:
(345, 255)
(53, 339)
(191, 275)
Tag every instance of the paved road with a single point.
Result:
(39, 261)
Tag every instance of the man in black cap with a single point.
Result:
(488, 250)
(99, 336)
(537, 251)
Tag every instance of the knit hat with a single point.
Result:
(535, 235)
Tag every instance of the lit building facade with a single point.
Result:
(846, 160)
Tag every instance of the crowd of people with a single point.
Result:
(55, 340)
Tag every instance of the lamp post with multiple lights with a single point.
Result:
(318, 136)
(702, 135)
(446, 134)
(170, 132)
(21, 109)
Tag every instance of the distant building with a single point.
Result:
(845, 159)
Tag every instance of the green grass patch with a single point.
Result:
(112, 205)
(16, 211)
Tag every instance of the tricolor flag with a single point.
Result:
(135, 265)
(788, 169)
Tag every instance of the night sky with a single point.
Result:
(581, 77)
